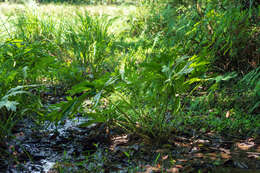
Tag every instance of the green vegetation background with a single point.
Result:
(152, 68)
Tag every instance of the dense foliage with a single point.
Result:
(175, 64)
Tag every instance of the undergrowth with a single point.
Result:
(169, 66)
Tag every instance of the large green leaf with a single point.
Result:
(10, 105)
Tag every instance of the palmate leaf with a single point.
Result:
(18, 90)
(257, 89)
(225, 77)
(255, 106)
(81, 87)
(14, 93)
(97, 98)
(193, 80)
(21, 87)
(95, 118)
(10, 105)
(67, 109)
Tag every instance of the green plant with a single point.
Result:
(214, 30)
(90, 43)
(139, 97)
(39, 47)
(252, 81)
(25, 63)
(9, 114)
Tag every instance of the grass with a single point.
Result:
(66, 10)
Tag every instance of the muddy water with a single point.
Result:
(37, 149)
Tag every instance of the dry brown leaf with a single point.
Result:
(212, 156)
(228, 114)
(199, 155)
(225, 150)
(165, 157)
(178, 166)
(173, 170)
(245, 146)
(225, 156)
(163, 150)
(253, 156)
(150, 169)
(182, 160)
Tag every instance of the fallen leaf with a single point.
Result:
(173, 170)
(165, 157)
(258, 148)
(162, 150)
(225, 150)
(182, 160)
(178, 166)
(199, 155)
(253, 155)
(245, 146)
(225, 156)
(150, 169)
(212, 156)
(228, 114)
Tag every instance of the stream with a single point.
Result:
(38, 149)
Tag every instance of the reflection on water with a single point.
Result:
(47, 165)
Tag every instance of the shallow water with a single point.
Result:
(38, 149)
(73, 148)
